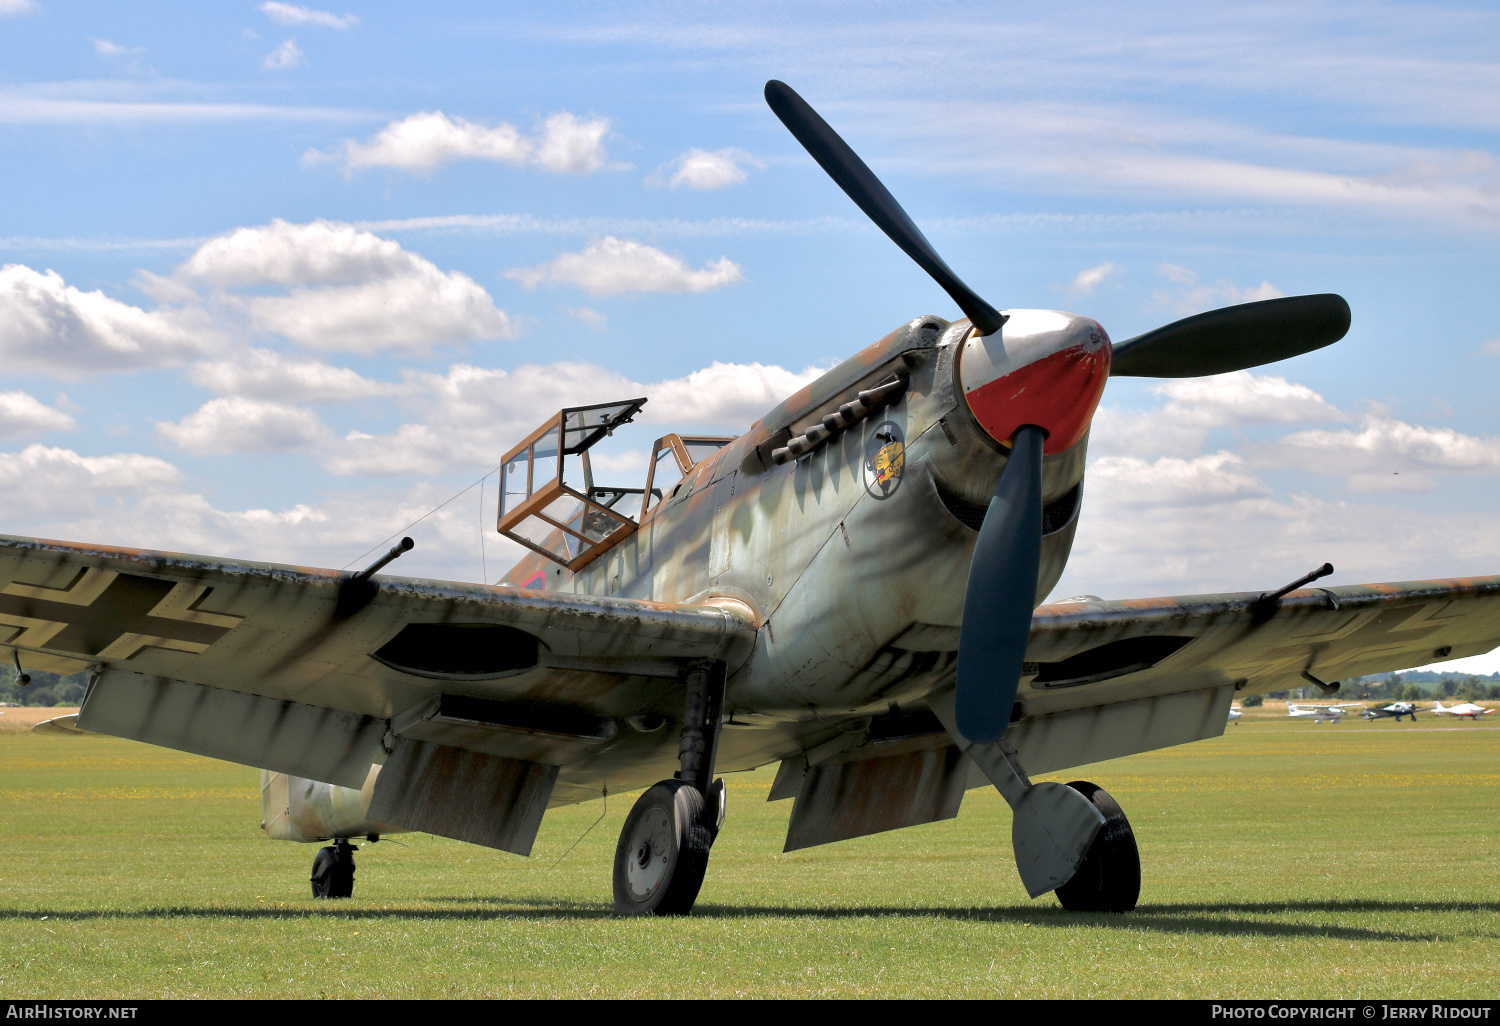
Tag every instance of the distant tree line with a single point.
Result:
(45, 689)
(1422, 686)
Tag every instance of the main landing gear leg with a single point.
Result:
(333, 870)
(663, 850)
(1069, 838)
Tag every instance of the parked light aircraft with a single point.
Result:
(1468, 709)
(848, 589)
(1316, 713)
(1396, 709)
(1234, 714)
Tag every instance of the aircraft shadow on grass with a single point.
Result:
(1167, 918)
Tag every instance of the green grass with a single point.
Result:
(1283, 860)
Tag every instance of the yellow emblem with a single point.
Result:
(885, 460)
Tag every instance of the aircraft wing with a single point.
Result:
(1106, 679)
(318, 674)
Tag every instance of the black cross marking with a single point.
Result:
(123, 608)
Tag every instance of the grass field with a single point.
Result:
(1285, 859)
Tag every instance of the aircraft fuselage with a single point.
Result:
(853, 559)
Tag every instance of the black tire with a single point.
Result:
(662, 853)
(1109, 877)
(333, 873)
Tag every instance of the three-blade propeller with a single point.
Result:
(1003, 571)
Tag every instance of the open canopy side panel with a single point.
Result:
(571, 524)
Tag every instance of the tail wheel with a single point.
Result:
(1109, 877)
(663, 850)
(333, 871)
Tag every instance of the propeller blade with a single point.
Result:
(1001, 594)
(1234, 338)
(859, 182)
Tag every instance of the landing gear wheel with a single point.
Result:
(663, 852)
(333, 871)
(1109, 877)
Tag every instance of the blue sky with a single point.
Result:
(279, 279)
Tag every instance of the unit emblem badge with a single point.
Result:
(885, 460)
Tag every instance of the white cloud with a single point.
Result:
(331, 532)
(424, 141)
(291, 14)
(264, 374)
(12, 7)
(1121, 432)
(1187, 522)
(571, 146)
(126, 58)
(22, 413)
(611, 266)
(1385, 454)
(703, 169)
(1201, 481)
(287, 55)
(470, 415)
(1492, 347)
(32, 105)
(1131, 149)
(49, 326)
(1197, 405)
(1256, 542)
(411, 313)
(235, 424)
(1086, 281)
(593, 318)
(371, 295)
(415, 449)
(725, 394)
(41, 479)
(1191, 296)
(281, 253)
(105, 48)
(1241, 397)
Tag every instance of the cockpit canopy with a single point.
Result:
(549, 501)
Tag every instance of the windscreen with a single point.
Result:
(700, 449)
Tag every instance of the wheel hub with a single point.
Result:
(648, 870)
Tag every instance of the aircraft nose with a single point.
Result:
(1044, 368)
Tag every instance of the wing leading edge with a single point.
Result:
(1109, 679)
(315, 673)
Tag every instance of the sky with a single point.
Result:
(278, 280)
